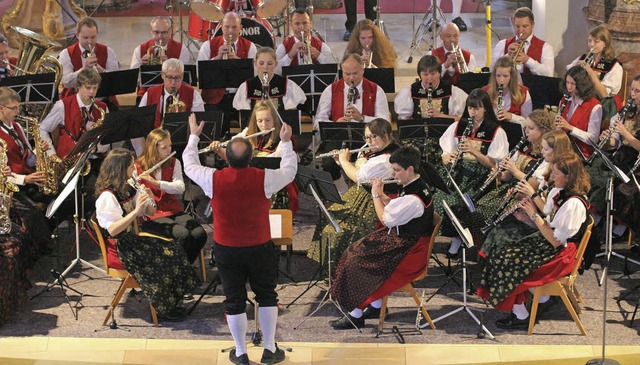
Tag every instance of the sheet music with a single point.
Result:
(275, 223)
(464, 232)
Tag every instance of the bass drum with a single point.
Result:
(271, 8)
(257, 30)
(210, 10)
(200, 29)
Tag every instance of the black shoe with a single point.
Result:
(174, 315)
(511, 322)
(545, 307)
(269, 357)
(371, 312)
(453, 256)
(242, 360)
(344, 324)
(347, 35)
(460, 23)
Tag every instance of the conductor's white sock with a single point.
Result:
(520, 311)
(457, 6)
(376, 303)
(238, 327)
(268, 317)
(456, 242)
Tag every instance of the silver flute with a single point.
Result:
(337, 152)
(224, 144)
(154, 167)
(384, 181)
(134, 181)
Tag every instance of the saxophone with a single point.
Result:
(7, 189)
(44, 162)
(176, 105)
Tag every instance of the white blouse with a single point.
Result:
(568, 219)
(498, 149)
(376, 167)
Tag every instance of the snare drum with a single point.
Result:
(212, 10)
(271, 8)
(257, 30)
(199, 28)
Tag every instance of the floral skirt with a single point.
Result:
(17, 254)
(160, 267)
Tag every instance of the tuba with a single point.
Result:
(7, 189)
(32, 60)
(44, 162)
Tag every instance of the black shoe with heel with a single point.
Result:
(511, 322)
(344, 323)
(269, 357)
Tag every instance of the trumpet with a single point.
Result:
(368, 62)
(154, 167)
(224, 144)
(134, 181)
(90, 52)
(498, 171)
(500, 103)
(515, 207)
(462, 63)
(228, 42)
(306, 56)
(589, 57)
(384, 181)
(364, 149)
(520, 46)
(156, 52)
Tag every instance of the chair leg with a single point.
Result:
(154, 315)
(383, 314)
(534, 311)
(573, 299)
(203, 268)
(573, 313)
(420, 305)
(124, 285)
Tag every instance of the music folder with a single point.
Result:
(117, 82)
(271, 163)
(222, 74)
(383, 77)
(150, 75)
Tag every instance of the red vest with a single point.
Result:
(154, 94)
(441, 55)
(534, 51)
(290, 41)
(15, 158)
(514, 109)
(240, 208)
(213, 96)
(174, 49)
(76, 60)
(74, 125)
(167, 204)
(369, 92)
(580, 120)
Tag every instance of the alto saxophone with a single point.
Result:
(44, 162)
(7, 189)
(176, 105)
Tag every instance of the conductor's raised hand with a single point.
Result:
(194, 127)
(285, 133)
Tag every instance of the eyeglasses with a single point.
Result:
(14, 108)
(173, 78)
(158, 32)
(370, 138)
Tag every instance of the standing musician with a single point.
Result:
(603, 68)
(285, 93)
(294, 49)
(389, 258)
(242, 239)
(516, 99)
(86, 53)
(7, 63)
(582, 115)
(446, 54)
(374, 47)
(535, 56)
(515, 269)
(446, 100)
(159, 48)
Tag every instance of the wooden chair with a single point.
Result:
(128, 282)
(565, 287)
(285, 238)
(437, 220)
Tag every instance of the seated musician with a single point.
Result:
(167, 185)
(603, 68)
(356, 216)
(284, 93)
(444, 101)
(334, 105)
(7, 63)
(508, 277)
(535, 56)
(472, 157)
(582, 115)
(374, 47)
(86, 53)
(294, 50)
(172, 96)
(229, 45)
(385, 260)
(446, 54)
(158, 49)
(515, 104)
(159, 266)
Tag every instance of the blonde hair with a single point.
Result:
(602, 33)
(253, 123)
(150, 155)
(517, 96)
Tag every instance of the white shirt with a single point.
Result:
(325, 56)
(274, 180)
(568, 219)
(401, 210)
(376, 167)
(525, 108)
(136, 59)
(30, 161)
(55, 119)
(323, 110)
(176, 185)
(291, 99)
(498, 149)
(612, 80)
(69, 76)
(595, 119)
(403, 103)
(543, 68)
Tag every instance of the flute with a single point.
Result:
(154, 167)
(134, 181)
(384, 181)
(337, 152)
(224, 144)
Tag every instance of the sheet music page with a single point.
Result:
(275, 223)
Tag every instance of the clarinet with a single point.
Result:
(463, 138)
(265, 86)
(486, 229)
(500, 169)
(500, 102)
(513, 193)
(563, 105)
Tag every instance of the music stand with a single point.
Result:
(471, 80)
(129, 123)
(265, 163)
(424, 130)
(150, 75)
(514, 132)
(383, 77)
(334, 135)
(177, 125)
(221, 74)
(33, 89)
(117, 83)
(544, 90)
(313, 80)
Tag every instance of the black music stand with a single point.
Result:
(150, 75)
(292, 117)
(33, 88)
(313, 80)
(471, 80)
(544, 90)
(265, 163)
(177, 124)
(427, 130)
(117, 83)
(383, 77)
(514, 132)
(221, 74)
(334, 135)
(129, 123)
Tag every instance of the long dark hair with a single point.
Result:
(584, 86)
(113, 172)
(479, 98)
